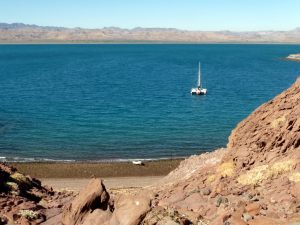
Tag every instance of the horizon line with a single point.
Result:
(140, 27)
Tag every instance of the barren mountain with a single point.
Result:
(23, 33)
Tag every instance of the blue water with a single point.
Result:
(100, 102)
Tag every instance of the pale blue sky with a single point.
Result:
(237, 15)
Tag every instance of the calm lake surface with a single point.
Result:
(116, 102)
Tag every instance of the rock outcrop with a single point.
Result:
(93, 206)
(93, 197)
(269, 134)
(24, 200)
(130, 209)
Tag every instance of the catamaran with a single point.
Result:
(199, 90)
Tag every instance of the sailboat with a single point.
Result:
(199, 90)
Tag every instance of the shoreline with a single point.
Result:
(96, 169)
(111, 183)
(10, 160)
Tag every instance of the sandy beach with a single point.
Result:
(76, 184)
(74, 176)
(90, 169)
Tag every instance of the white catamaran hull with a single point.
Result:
(196, 91)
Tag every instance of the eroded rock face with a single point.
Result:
(93, 196)
(269, 134)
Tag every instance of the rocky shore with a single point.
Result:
(295, 57)
(254, 181)
(23, 199)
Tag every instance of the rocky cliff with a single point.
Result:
(257, 180)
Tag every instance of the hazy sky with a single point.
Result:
(238, 15)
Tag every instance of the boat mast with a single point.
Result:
(199, 76)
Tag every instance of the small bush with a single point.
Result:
(28, 214)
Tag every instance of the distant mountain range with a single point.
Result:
(24, 33)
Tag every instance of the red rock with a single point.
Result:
(40, 220)
(272, 214)
(210, 211)
(7, 208)
(2, 204)
(264, 221)
(24, 221)
(163, 216)
(98, 217)
(221, 219)
(276, 131)
(130, 210)
(176, 197)
(193, 202)
(27, 205)
(253, 208)
(55, 220)
(236, 219)
(3, 220)
(19, 201)
(295, 190)
(93, 196)
(50, 213)
(240, 207)
(206, 191)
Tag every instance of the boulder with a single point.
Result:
(93, 196)
(130, 209)
(98, 217)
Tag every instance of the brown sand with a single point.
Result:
(88, 170)
(76, 184)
